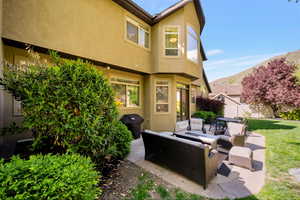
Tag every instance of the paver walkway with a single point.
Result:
(240, 182)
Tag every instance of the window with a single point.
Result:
(193, 94)
(162, 96)
(137, 34)
(171, 41)
(127, 92)
(192, 45)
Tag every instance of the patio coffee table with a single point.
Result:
(206, 138)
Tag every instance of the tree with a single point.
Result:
(272, 85)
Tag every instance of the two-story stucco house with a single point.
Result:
(154, 63)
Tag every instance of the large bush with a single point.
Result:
(212, 105)
(49, 177)
(291, 115)
(206, 115)
(69, 105)
(121, 138)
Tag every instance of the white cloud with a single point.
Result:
(214, 52)
(245, 61)
(226, 67)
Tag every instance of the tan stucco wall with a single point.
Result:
(93, 29)
(15, 55)
(164, 121)
(159, 121)
(191, 19)
(166, 64)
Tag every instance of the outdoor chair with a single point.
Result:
(235, 135)
(182, 126)
(196, 124)
(217, 127)
(194, 160)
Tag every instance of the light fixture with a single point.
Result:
(173, 40)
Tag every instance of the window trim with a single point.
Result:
(179, 41)
(198, 41)
(140, 27)
(129, 84)
(169, 96)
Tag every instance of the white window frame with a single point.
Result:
(169, 95)
(126, 89)
(140, 27)
(196, 38)
(179, 41)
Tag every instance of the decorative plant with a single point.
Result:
(206, 115)
(69, 105)
(206, 104)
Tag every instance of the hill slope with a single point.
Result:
(232, 84)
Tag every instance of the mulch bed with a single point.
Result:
(123, 178)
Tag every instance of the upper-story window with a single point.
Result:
(172, 41)
(137, 33)
(192, 45)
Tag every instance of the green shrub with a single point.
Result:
(69, 105)
(206, 115)
(122, 138)
(212, 105)
(291, 115)
(49, 177)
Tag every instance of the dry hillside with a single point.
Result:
(232, 84)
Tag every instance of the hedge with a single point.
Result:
(49, 177)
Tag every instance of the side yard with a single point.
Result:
(283, 153)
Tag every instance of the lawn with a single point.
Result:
(282, 153)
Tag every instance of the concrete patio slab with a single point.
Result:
(240, 182)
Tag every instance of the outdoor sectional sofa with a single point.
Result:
(194, 160)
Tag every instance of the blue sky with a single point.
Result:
(242, 33)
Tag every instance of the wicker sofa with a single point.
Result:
(194, 160)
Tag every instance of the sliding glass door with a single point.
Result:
(182, 102)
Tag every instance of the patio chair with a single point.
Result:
(217, 127)
(182, 126)
(196, 124)
(235, 135)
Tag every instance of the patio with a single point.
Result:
(239, 183)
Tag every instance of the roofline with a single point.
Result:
(228, 97)
(206, 81)
(139, 12)
(170, 10)
(135, 9)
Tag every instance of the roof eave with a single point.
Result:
(206, 81)
(135, 10)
